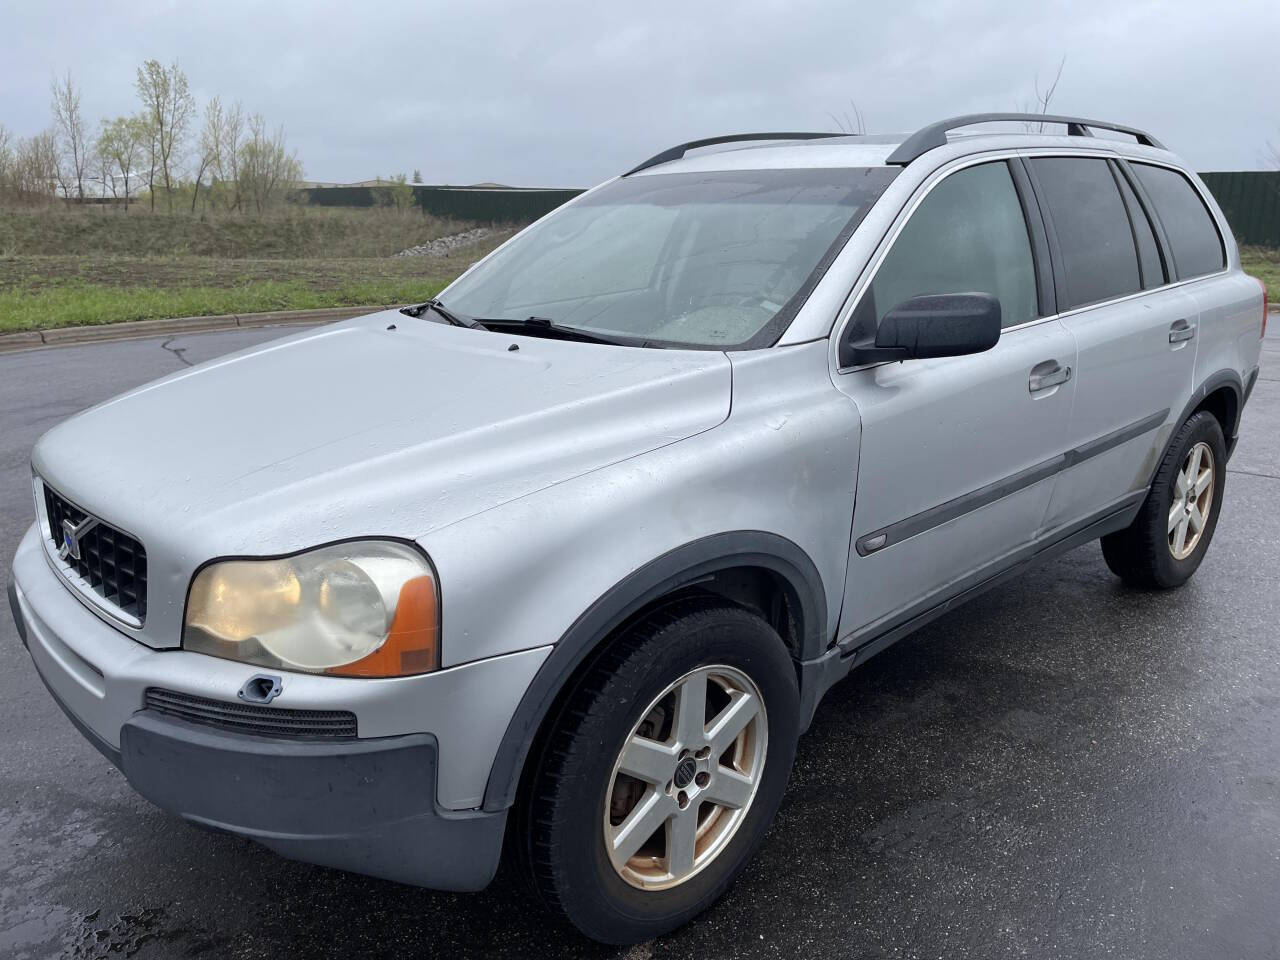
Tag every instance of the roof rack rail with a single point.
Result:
(935, 134)
(678, 151)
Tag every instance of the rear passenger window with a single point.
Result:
(1193, 237)
(967, 236)
(1093, 230)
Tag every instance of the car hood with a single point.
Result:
(381, 426)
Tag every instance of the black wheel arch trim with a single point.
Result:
(1248, 389)
(681, 567)
(1214, 382)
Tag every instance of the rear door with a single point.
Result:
(1135, 335)
(1227, 333)
(956, 463)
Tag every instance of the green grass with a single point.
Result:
(289, 233)
(78, 304)
(1264, 263)
(45, 292)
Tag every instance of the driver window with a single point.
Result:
(967, 236)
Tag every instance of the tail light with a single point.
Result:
(1264, 306)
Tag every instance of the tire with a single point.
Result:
(1146, 553)
(578, 795)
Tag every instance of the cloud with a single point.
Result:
(571, 93)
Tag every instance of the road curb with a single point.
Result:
(134, 329)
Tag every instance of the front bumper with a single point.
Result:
(397, 803)
(361, 805)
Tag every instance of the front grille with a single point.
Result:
(111, 562)
(248, 718)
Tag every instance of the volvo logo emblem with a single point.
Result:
(72, 534)
(684, 772)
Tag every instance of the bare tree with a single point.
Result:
(1042, 99)
(151, 152)
(41, 162)
(268, 169)
(169, 106)
(125, 140)
(1273, 153)
(6, 163)
(210, 143)
(72, 143)
(850, 121)
(104, 168)
(227, 157)
(28, 168)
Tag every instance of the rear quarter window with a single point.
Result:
(1193, 236)
(1149, 259)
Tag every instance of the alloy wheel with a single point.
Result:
(685, 777)
(1192, 500)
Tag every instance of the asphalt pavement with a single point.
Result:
(1065, 767)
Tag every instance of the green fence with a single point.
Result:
(1251, 201)
(480, 204)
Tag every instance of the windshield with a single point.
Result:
(714, 260)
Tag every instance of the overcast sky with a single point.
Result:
(568, 94)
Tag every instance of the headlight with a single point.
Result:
(360, 609)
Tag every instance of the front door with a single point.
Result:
(957, 457)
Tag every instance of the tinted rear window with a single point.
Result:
(1148, 250)
(1193, 236)
(1093, 230)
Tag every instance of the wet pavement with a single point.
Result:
(1063, 768)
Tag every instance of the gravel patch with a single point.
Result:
(443, 246)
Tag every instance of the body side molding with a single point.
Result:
(678, 568)
(965, 503)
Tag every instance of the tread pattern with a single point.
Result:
(1139, 554)
(550, 781)
(564, 775)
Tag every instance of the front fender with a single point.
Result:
(772, 486)
(678, 568)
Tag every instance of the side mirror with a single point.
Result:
(936, 325)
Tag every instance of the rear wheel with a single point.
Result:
(1164, 545)
(664, 772)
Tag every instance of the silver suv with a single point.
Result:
(567, 557)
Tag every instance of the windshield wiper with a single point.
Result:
(530, 326)
(543, 327)
(456, 319)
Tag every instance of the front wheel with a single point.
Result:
(664, 772)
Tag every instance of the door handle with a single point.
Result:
(1048, 374)
(1181, 330)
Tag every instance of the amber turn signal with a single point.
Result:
(413, 642)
